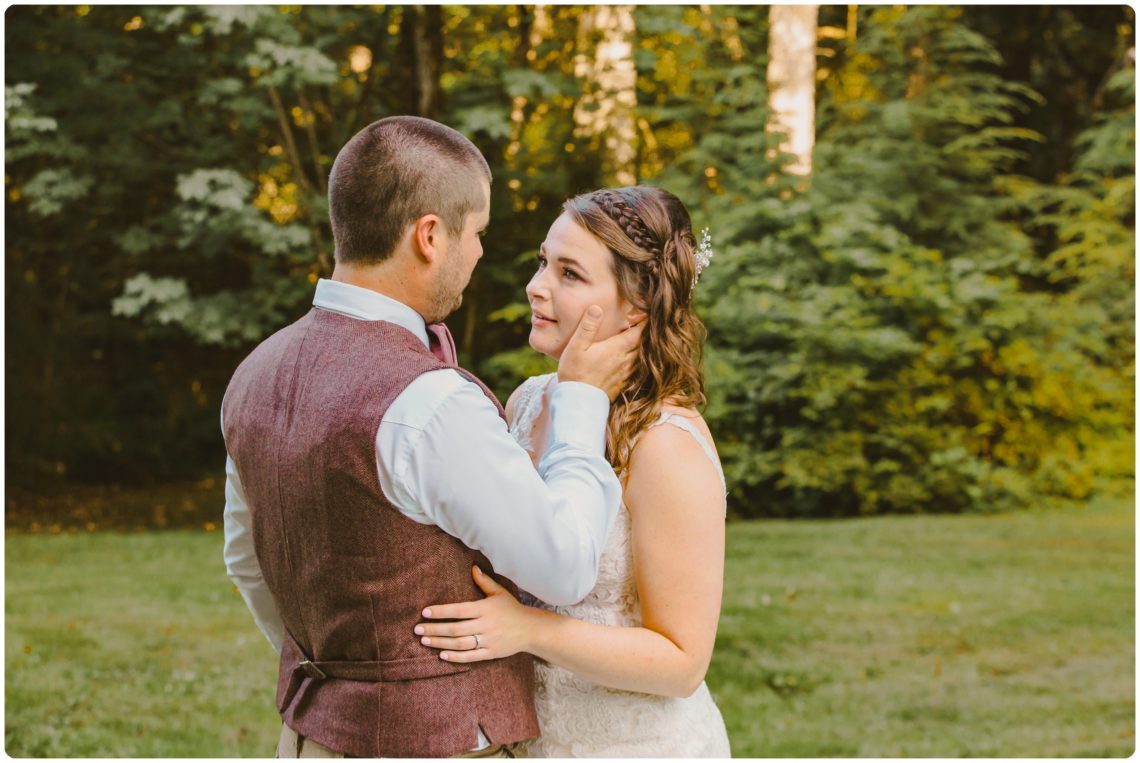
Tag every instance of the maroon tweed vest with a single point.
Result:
(348, 571)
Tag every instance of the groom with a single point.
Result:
(366, 473)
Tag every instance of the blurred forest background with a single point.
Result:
(938, 316)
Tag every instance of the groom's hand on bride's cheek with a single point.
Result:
(603, 364)
(616, 357)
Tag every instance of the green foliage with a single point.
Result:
(879, 350)
(48, 191)
(167, 193)
(1089, 269)
(1068, 53)
(924, 328)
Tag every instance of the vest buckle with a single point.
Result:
(311, 670)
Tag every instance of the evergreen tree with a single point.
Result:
(881, 354)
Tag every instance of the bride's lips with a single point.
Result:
(538, 319)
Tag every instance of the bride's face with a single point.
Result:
(575, 270)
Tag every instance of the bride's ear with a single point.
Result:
(633, 316)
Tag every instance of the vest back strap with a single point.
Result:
(406, 669)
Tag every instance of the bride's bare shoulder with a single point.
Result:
(669, 468)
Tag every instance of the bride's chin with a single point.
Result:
(543, 348)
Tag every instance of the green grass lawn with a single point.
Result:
(1003, 636)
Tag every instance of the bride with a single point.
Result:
(621, 673)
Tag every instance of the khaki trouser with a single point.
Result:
(291, 745)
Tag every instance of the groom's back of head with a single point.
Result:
(394, 171)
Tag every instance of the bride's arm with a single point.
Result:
(677, 503)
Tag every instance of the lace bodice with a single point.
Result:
(581, 719)
(527, 407)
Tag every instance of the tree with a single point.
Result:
(942, 321)
(876, 351)
(791, 80)
(204, 232)
(1070, 53)
(423, 42)
(604, 63)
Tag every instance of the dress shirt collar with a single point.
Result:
(367, 305)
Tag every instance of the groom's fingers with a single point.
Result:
(486, 583)
(631, 337)
(587, 328)
(449, 630)
(475, 655)
(628, 342)
(462, 611)
(463, 643)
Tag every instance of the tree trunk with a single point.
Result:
(423, 42)
(792, 33)
(607, 110)
(532, 29)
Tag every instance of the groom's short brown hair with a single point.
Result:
(394, 171)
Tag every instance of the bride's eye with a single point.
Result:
(570, 274)
(541, 262)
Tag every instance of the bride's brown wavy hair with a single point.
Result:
(650, 235)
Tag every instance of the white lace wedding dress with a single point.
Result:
(580, 719)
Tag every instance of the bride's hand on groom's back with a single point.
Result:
(488, 629)
(605, 364)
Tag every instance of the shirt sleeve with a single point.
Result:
(242, 566)
(445, 457)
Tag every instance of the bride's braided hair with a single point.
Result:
(616, 207)
(650, 235)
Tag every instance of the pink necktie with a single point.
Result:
(441, 343)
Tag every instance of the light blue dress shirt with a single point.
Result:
(445, 458)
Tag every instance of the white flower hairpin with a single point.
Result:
(704, 254)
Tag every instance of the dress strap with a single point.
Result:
(683, 423)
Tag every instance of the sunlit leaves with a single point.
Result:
(221, 19)
(169, 296)
(18, 116)
(287, 65)
(490, 120)
(215, 189)
(224, 318)
(27, 132)
(50, 191)
(1107, 146)
(138, 240)
(535, 84)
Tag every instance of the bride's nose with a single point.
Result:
(536, 287)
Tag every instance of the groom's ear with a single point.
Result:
(427, 235)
